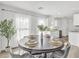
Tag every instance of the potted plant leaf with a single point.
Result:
(7, 30)
(42, 28)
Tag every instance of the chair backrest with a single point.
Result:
(66, 51)
(19, 53)
(14, 54)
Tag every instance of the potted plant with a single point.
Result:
(7, 29)
(42, 28)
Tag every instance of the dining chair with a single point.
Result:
(62, 53)
(19, 53)
(37, 54)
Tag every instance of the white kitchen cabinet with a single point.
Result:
(76, 19)
(74, 38)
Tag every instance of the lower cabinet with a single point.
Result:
(74, 38)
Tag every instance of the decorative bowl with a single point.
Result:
(31, 43)
(55, 43)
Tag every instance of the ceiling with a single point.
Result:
(54, 8)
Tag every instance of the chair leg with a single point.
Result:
(45, 55)
(52, 54)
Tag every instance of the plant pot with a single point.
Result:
(41, 38)
(8, 49)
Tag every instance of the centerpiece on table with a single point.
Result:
(42, 28)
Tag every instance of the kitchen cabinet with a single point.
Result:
(76, 19)
(74, 38)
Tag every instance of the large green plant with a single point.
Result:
(42, 27)
(7, 29)
(46, 28)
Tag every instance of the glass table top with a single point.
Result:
(47, 44)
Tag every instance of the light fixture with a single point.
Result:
(40, 8)
(2, 9)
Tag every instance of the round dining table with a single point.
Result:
(45, 48)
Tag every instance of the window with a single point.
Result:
(22, 24)
(55, 23)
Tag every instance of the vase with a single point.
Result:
(7, 49)
(60, 33)
(41, 38)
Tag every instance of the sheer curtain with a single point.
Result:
(22, 25)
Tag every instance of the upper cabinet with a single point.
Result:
(76, 19)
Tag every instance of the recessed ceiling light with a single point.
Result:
(2, 9)
(40, 8)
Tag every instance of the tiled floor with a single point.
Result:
(4, 55)
(74, 52)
